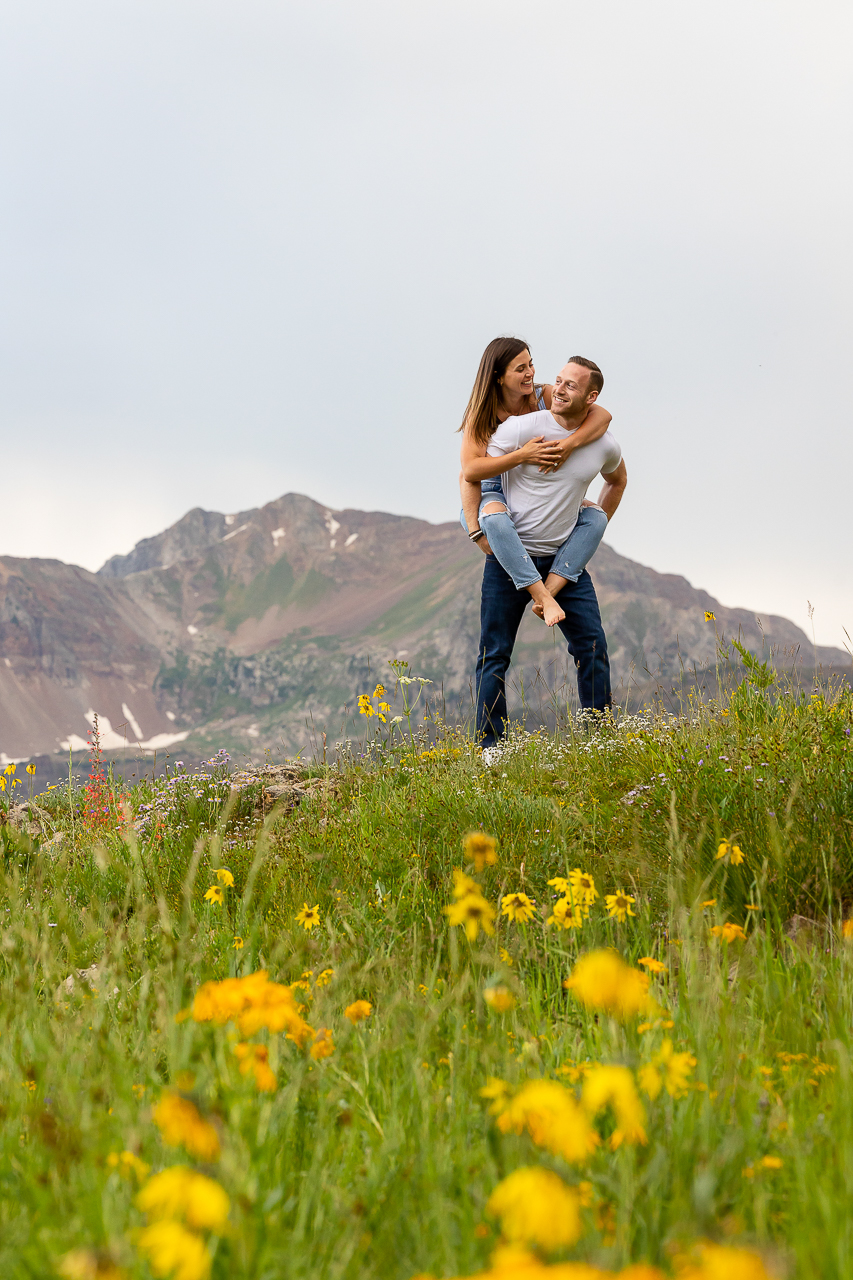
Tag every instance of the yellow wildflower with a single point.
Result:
(255, 1058)
(619, 905)
(729, 932)
(224, 876)
(323, 1046)
(252, 1002)
(324, 978)
(653, 966)
(500, 999)
(88, 1264)
(602, 980)
(463, 884)
(214, 894)
(710, 617)
(474, 912)
(379, 691)
(480, 849)
(847, 928)
(517, 907)
(561, 884)
(731, 852)
(565, 915)
(31, 769)
(173, 1251)
(126, 1163)
(499, 1093)
(667, 1069)
(365, 706)
(358, 1011)
(613, 1086)
(552, 1117)
(536, 1207)
(583, 887)
(239, 944)
(180, 1124)
(9, 770)
(709, 902)
(506, 957)
(718, 1262)
(179, 1193)
(308, 917)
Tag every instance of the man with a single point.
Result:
(544, 506)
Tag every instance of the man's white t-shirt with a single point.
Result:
(545, 505)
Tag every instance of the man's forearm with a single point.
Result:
(610, 497)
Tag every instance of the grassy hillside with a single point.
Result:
(415, 1090)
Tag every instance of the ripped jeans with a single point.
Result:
(569, 561)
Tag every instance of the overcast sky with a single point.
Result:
(249, 248)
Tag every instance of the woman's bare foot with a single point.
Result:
(545, 606)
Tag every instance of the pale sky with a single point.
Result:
(249, 248)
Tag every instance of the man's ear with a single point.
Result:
(592, 397)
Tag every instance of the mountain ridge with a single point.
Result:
(250, 624)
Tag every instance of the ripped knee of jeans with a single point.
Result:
(493, 509)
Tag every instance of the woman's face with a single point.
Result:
(518, 376)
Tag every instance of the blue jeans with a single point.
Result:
(502, 607)
(571, 558)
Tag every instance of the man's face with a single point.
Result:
(571, 394)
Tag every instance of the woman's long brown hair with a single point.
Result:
(481, 416)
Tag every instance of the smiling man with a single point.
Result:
(544, 506)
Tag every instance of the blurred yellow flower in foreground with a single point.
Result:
(551, 1115)
(224, 876)
(182, 1194)
(358, 1011)
(729, 932)
(255, 1058)
(252, 1002)
(667, 1069)
(536, 1207)
(173, 1251)
(474, 912)
(181, 1125)
(463, 884)
(717, 1262)
(214, 894)
(126, 1163)
(847, 928)
(480, 849)
(308, 917)
(602, 980)
(500, 999)
(517, 907)
(323, 1046)
(613, 1086)
(88, 1264)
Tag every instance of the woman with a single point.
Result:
(504, 387)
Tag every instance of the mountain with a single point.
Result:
(261, 628)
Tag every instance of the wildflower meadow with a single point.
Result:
(585, 1012)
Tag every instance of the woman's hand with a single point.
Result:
(540, 452)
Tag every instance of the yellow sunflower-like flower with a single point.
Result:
(224, 876)
(602, 980)
(619, 905)
(710, 617)
(536, 1207)
(182, 1125)
(358, 1011)
(214, 894)
(463, 884)
(653, 966)
(667, 1069)
(729, 932)
(379, 691)
(517, 907)
(308, 917)
(252, 1002)
(731, 852)
(173, 1251)
(498, 1093)
(31, 769)
(182, 1194)
(506, 957)
(561, 884)
(583, 887)
(325, 977)
(365, 706)
(474, 912)
(613, 1086)
(719, 1262)
(500, 999)
(565, 915)
(238, 943)
(480, 849)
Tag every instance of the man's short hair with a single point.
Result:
(596, 377)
